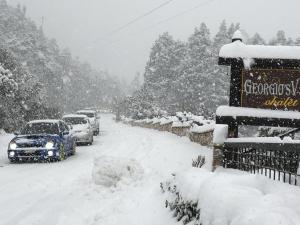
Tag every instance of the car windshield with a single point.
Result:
(90, 115)
(75, 120)
(40, 128)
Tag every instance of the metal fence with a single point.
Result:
(275, 160)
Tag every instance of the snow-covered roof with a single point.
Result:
(75, 116)
(238, 49)
(253, 112)
(86, 111)
(44, 121)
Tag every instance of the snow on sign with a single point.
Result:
(271, 89)
(265, 77)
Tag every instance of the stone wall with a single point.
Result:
(205, 138)
(180, 131)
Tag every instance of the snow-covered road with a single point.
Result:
(64, 193)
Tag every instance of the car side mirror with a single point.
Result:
(66, 133)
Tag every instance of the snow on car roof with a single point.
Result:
(75, 116)
(45, 121)
(86, 111)
(238, 49)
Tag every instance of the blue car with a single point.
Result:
(42, 140)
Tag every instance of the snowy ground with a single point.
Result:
(64, 193)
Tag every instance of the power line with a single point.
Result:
(137, 19)
(180, 14)
(169, 18)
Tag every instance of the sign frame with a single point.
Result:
(272, 101)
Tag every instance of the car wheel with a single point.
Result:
(73, 148)
(13, 161)
(62, 154)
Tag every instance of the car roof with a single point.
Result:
(45, 121)
(74, 116)
(86, 111)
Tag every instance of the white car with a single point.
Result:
(80, 128)
(94, 119)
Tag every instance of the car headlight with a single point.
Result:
(13, 146)
(49, 145)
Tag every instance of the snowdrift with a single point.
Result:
(232, 197)
(108, 171)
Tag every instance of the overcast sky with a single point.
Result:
(83, 25)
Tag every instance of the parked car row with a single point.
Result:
(54, 140)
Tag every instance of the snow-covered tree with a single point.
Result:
(196, 71)
(136, 83)
(297, 42)
(257, 40)
(8, 86)
(161, 69)
(49, 79)
(280, 39)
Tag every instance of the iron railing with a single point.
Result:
(278, 161)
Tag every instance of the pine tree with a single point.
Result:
(297, 42)
(135, 84)
(160, 72)
(49, 79)
(195, 72)
(257, 40)
(280, 39)
(233, 28)
(221, 37)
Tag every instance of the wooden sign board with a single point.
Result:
(271, 89)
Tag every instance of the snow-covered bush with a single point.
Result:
(231, 197)
(199, 161)
(108, 171)
(183, 210)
